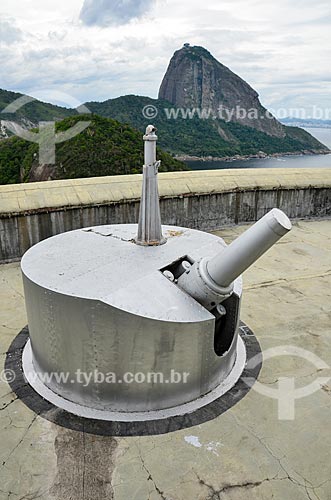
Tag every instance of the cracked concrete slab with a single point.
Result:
(246, 453)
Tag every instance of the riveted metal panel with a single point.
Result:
(97, 301)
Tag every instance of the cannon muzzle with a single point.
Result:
(210, 281)
(230, 263)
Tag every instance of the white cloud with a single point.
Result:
(9, 33)
(108, 12)
(281, 48)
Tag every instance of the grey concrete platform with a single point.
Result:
(246, 453)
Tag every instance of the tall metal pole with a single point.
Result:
(149, 227)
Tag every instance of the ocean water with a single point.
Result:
(297, 161)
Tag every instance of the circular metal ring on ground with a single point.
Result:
(152, 425)
(143, 416)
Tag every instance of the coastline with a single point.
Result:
(260, 155)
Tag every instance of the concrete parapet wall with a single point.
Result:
(206, 200)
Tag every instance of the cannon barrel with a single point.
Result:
(230, 263)
(210, 281)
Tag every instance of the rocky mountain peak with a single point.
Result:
(195, 79)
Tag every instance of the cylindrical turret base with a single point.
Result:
(113, 337)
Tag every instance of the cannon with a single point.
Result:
(210, 281)
(141, 320)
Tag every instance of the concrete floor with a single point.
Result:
(246, 453)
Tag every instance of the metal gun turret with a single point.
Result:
(168, 303)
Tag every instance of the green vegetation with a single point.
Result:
(112, 144)
(180, 136)
(12, 154)
(252, 141)
(198, 137)
(106, 147)
(33, 112)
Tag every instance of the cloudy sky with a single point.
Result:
(98, 49)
